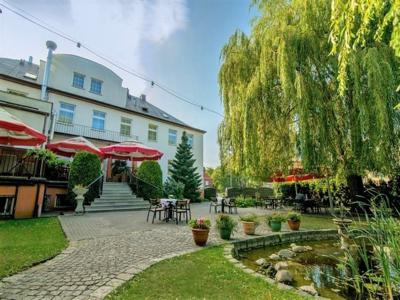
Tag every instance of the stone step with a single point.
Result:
(116, 195)
(120, 204)
(107, 209)
(111, 201)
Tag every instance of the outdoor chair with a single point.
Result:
(181, 208)
(214, 203)
(231, 203)
(187, 207)
(155, 207)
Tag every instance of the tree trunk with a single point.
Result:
(356, 187)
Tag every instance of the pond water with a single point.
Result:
(317, 266)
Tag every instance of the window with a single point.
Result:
(78, 80)
(95, 86)
(172, 137)
(98, 120)
(190, 139)
(125, 126)
(152, 134)
(66, 114)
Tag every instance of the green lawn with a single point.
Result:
(205, 274)
(27, 242)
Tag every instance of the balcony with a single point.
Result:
(89, 132)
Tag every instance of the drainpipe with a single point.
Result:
(51, 46)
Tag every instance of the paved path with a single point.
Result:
(105, 250)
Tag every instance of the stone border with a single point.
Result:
(231, 251)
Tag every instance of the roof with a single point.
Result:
(23, 70)
(19, 68)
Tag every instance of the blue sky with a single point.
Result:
(174, 42)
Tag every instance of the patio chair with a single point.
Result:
(181, 208)
(188, 208)
(155, 207)
(231, 203)
(214, 203)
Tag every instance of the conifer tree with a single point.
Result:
(182, 170)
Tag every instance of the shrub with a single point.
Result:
(210, 192)
(200, 223)
(174, 188)
(225, 222)
(250, 218)
(241, 201)
(276, 217)
(150, 180)
(85, 168)
(294, 216)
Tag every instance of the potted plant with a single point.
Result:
(200, 229)
(249, 223)
(294, 220)
(274, 221)
(225, 224)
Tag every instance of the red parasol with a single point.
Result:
(71, 146)
(16, 133)
(131, 151)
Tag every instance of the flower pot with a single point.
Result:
(249, 228)
(294, 225)
(275, 225)
(225, 233)
(200, 236)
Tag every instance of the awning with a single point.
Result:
(131, 151)
(70, 147)
(16, 133)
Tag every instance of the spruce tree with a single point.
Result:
(182, 170)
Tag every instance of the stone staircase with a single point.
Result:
(117, 196)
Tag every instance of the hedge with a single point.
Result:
(249, 192)
(150, 180)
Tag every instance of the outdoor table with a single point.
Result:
(169, 205)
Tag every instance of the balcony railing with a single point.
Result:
(89, 132)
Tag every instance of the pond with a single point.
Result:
(317, 266)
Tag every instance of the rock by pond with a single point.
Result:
(286, 253)
(309, 289)
(300, 249)
(274, 257)
(281, 266)
(260, 261)
(284, 276)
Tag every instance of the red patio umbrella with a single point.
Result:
(15, 132)
(131, 151)
(70, 147)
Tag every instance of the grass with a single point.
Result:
(205, 274)
(24, 243)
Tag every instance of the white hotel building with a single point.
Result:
(85, 98)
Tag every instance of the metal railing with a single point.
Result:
(15, 163)
(134, 181)
(95, 189)
(89, 132)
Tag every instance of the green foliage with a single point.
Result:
(85, 168)
(242, 201)
(226, 222)
(200, 223)
(118, 167)
(281, 97)
(48, 156)
(174, 188)
(250, 218)
(150, 180)
(183, 170)
(294, 216)
(210, 192)
(276, 217)
(223, 179)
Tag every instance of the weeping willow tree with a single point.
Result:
(356, 23)
(280, 90)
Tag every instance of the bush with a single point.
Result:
(210, 192)
(173, 188)
(150, 180)
(241, 201)
(225, 222)
(85, 168)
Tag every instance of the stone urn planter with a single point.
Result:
(200, 236)
(80, 191)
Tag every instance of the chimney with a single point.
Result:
(143, 97)
(30, 59)
(51, 46)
